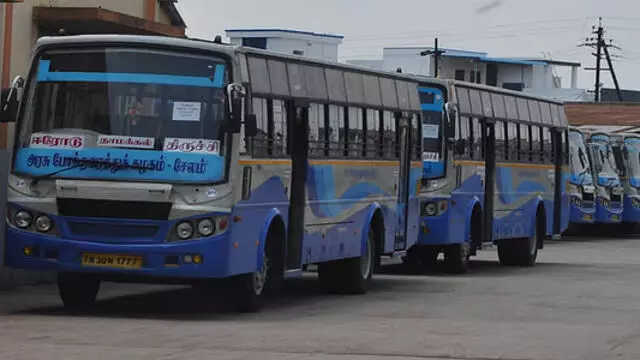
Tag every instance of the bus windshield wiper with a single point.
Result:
(77, 162)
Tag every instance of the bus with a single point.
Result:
(609, 190)
(626, 151)
(580, 189)
(498, 179)
(166, 160)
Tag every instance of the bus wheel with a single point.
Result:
(350, 276)
(247, 290)
(77, 290)
(456, 258)
(521, 252)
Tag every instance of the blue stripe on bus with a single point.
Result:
(44, 75)
(431, 107)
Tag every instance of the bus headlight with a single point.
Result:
(206, 227)
(23, 219)
(43, 223)
(431, 209)
(184, 230)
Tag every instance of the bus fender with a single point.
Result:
(367, 225)
(262, 238)
(472, 204)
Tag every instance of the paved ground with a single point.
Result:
(581, 302)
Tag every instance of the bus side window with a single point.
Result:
(500, 140)
(260, 142)
(512, 141)
(280, 127)
(316, 130)
(373, 133)
(336, 131)
(525, 143)
(355, 135)
(389, 135)
(477, 135)
(536, 148)
(467, 137)
(547, 147)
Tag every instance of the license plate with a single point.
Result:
(615, 217)
(588, 217)
(112, 261)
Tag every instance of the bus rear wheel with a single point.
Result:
(77, 291)
(350, 276)
(521, 252)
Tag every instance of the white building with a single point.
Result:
(528, 75)
(311, 44)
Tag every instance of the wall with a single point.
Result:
(312, 46)
(612, 114)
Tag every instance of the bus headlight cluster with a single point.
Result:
(193, 229)
(24, 219)
(433, 208)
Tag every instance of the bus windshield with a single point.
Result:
(579, 159)
(160, 111)
(431, 135)
(633, 149)
(602, 162)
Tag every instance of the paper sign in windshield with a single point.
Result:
(201, 146)
(186, 110)
(430, 156)
(126, 142)
(430, 131)
(56, 141)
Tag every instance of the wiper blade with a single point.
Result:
(78, 162)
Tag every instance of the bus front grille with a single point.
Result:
(114, 209)
(587, 197)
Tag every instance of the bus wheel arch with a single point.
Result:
(376, 224)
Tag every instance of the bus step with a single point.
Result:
(292, 273)
(399, 254)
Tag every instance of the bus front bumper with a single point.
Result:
(581, 212)
(631, 212)
(608, 215)
(32, 251)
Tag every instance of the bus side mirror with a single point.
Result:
(250, 125)
(235, 94)
(9, 99)
(451, 114)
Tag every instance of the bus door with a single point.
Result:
(489, 178)
(402, 209)
(558, 156)
(298, 120)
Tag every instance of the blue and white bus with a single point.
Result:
(580, 189)
(498, 179)
(155, 159)
(609, 190)
(626, 150)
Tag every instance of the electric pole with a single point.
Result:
(436, 52)
(600, 45)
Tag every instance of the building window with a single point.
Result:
(513, 86)
(257, 42)
(460, 75)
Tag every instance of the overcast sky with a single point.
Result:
(500, 27)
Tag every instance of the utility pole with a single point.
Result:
(601, 45)
(436, 52)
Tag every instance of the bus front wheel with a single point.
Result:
(77, 290)
(456, 258)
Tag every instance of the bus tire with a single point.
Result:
(77, 291)
(456, 258)
(350, 276)
(522, 252)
